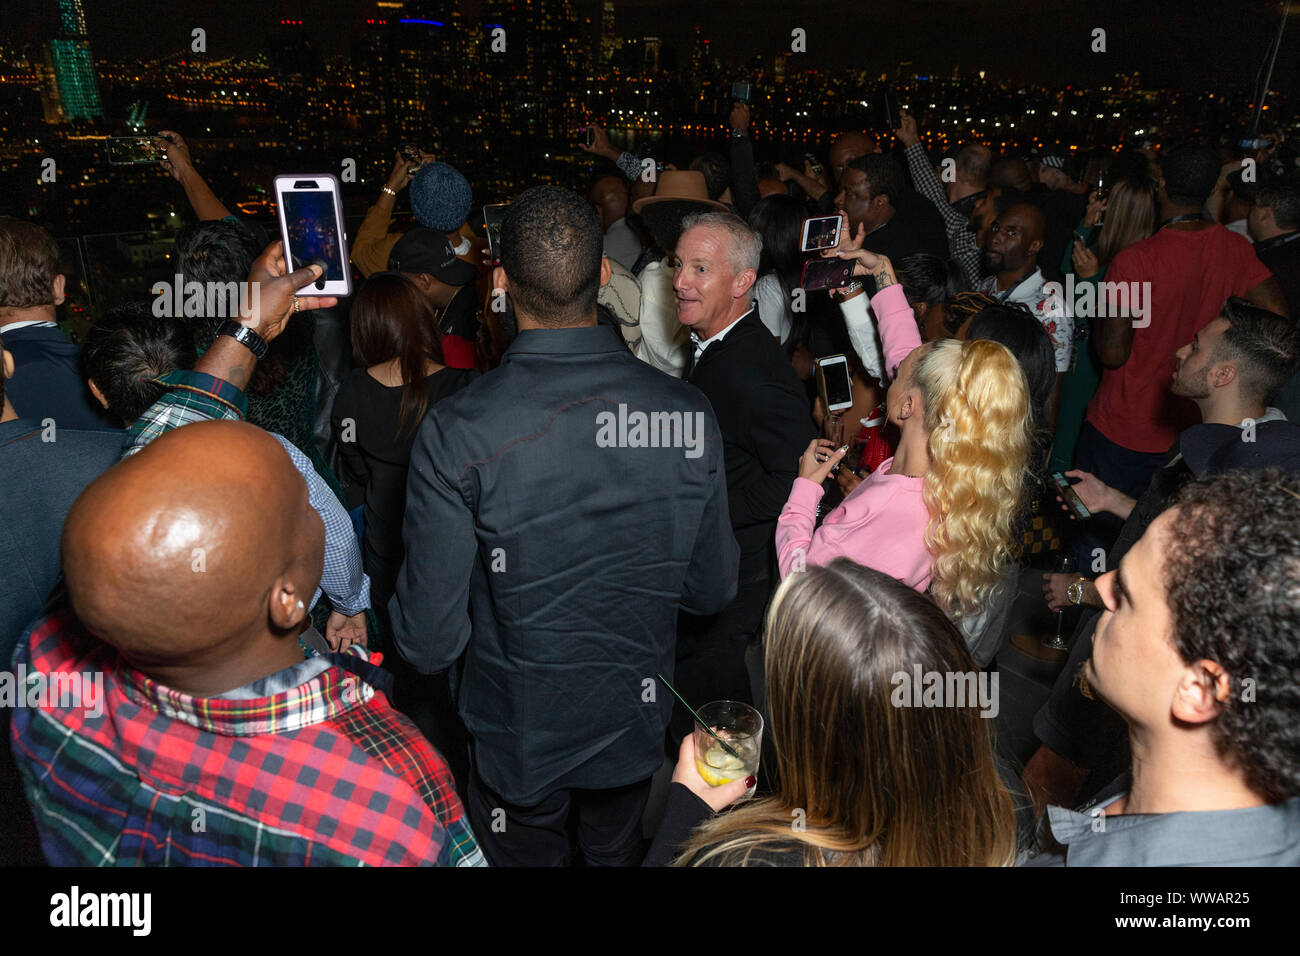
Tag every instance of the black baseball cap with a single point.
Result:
(427, 251)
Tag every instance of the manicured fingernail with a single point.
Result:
(750, 781)
(844, 448)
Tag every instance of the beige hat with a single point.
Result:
(678, 194)
(680, 185)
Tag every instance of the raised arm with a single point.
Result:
(899, 334)
(744, 180)
(177, 161)
(214, 389)
(961, 242)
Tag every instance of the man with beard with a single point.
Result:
(1014, 242)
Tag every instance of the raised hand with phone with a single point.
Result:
(176, 159)
(269, 312)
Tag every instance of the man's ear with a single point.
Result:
(1223, 374)
(499, 279)
(95, 390)
(286, 605)
(6, 364)
(59, 287)
(1202, 692)
(745, 280)
(605, 271)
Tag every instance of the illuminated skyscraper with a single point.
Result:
(650, 61)
(74, 93)
(608, 41)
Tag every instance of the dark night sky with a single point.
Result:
(1178, 43)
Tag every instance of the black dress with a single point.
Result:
(376, 458)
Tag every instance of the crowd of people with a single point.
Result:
(439, 574)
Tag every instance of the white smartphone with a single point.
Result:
(311, 225)
(834, 382)
(820, 232)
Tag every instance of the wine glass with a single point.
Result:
(1064, 565)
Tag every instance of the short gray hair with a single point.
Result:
(744, 245)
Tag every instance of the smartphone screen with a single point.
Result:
(740, 91)
(834, 383)
(826, 274)
(1070, 496)
(133, 150)
(311, 226)
(493, 217)
(820, 232)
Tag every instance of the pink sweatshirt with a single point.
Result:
(881, 524)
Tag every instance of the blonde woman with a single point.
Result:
(940, 514)
(870, 780)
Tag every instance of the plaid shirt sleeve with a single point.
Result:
(961, 242)
(190, 397)
(342, 579)
(629, 164)
(197, 397)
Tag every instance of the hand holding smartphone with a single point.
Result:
(1071, 497)
(134, 150)
(820, 232)
(310, 210)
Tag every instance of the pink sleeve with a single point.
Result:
(898, 332)
(879, 526)
(794, 528)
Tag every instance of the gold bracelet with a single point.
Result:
(391, 192)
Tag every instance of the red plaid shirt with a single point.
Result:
(326, 772)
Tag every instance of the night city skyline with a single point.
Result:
(1175, 43)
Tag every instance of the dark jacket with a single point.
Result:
(47, 380)
(553, 549)
(41, 480)
(766, 425)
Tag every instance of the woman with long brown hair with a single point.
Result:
(869, 773)
(1130, 217)
(379, 408)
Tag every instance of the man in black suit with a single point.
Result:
(763, 413)
(560, 511)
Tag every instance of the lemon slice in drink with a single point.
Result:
(719, 767)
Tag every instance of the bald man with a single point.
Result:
(223, 742)
(1014, 241)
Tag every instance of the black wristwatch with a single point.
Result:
(245, 337)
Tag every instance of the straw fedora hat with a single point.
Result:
(681, 185)
(678, 194)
